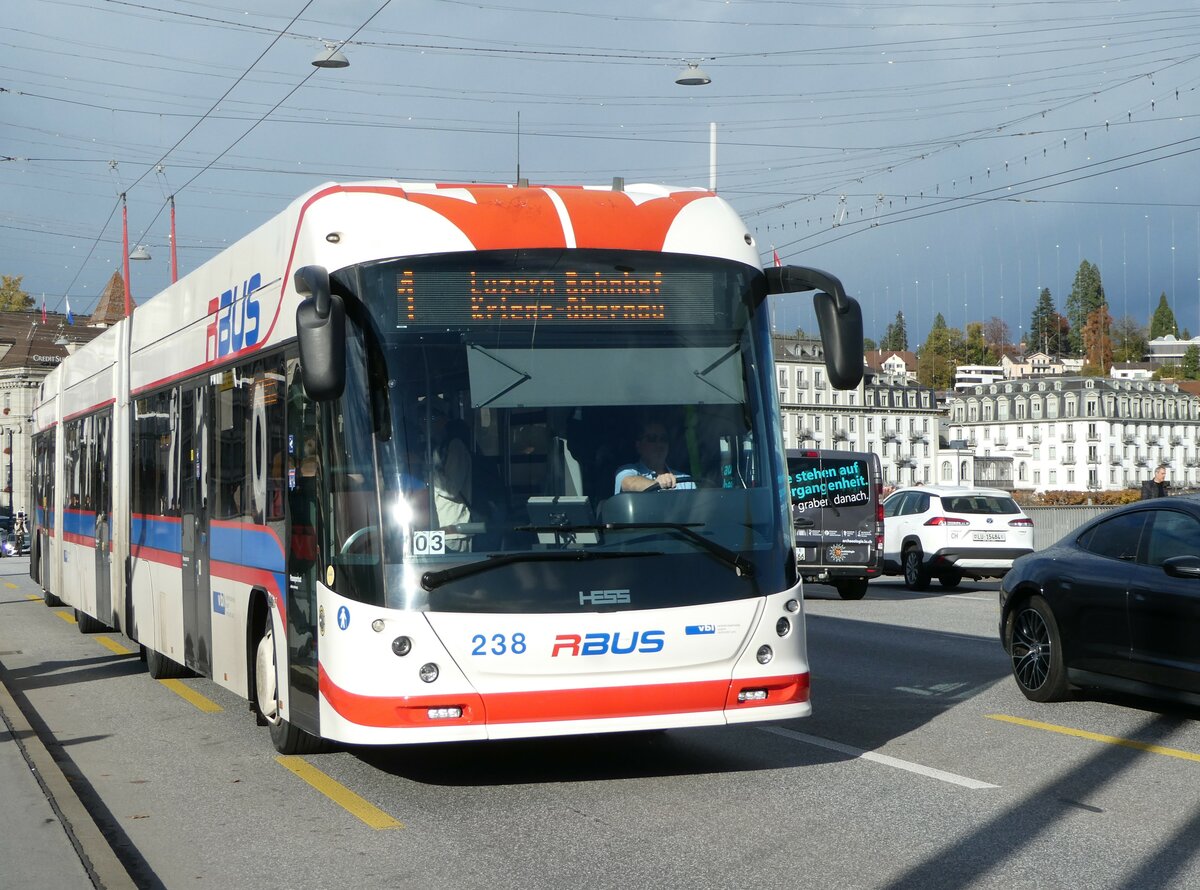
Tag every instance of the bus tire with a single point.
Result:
(286, 738)
(160, 667)
(50, 599)
(87, 624)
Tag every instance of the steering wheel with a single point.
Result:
(653, 486)
(349, 543)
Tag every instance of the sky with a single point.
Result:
(943, 157)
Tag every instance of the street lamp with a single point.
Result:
(692, 76)
(331, 57)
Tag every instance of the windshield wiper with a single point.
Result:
(740, 565)
(432, 580)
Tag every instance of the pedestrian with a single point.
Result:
(1156, 487)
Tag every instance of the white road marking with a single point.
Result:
(884, 759)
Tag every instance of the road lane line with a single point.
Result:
(1098, 737)
(112, 645)
(339, 793)
(33, 597)
(14, 587)
(884, 759)
(66, 616)
(207, 705)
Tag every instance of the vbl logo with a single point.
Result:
(646, 641)
(236, 324)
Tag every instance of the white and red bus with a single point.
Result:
(359, 467)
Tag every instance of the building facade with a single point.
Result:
(1082, 433)
(889, 414)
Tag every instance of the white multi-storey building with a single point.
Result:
(1037, 433)
(888, 414)
(1082, 433)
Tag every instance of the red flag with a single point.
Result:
(775, 255)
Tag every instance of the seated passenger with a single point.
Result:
(651, 468)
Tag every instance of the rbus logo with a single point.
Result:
(645, 641)
(235, 325)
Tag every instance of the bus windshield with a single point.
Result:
(511, 394)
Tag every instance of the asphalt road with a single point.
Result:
(922, 766)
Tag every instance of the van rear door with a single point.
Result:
(834, 508)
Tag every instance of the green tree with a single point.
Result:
(938, 358)
(1087, 295)
(12, 297)
(1191, 362)
(975, 348)
(1129, 340)
(1046, 327)
(869, 345)
(1162, 322)
(895, 337)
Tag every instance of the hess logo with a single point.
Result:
(619, 643)
(236, 322)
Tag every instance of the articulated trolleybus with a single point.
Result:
(359, 467)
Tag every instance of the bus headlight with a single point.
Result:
(428, 672)
(783, 627)
(402, 646)
(764, 654)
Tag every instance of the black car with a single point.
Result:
(1114, 604)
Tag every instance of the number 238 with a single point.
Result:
(500, 644)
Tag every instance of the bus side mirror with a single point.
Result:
(321, 332)
(839, 318)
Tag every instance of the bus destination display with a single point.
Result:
(562, 296)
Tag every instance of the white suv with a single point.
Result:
(948, 532)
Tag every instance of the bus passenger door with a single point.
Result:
(306, 491)
(195, 434)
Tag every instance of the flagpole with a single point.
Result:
(125, 250)
(174, 261)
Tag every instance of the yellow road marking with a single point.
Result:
(14, 587)
(113, 646)
(1097, 737)
(33, 597)
(339, 794)
(66, 616)
(205, 704)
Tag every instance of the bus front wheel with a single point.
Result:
(286, 738)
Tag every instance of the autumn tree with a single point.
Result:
(1162, 322)
(1097, 343)
(12, 297)
(1087, 295)
(997, 336)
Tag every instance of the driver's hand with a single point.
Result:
(666, 481)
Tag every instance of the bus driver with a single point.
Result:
(651, 468)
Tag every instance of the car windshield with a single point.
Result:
(980, 503)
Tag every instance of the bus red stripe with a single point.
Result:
(561, 704)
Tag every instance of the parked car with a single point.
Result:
(837, 517)
(13, 544)
(952, 532)
(1116, 603)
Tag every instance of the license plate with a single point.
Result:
(987, 536)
